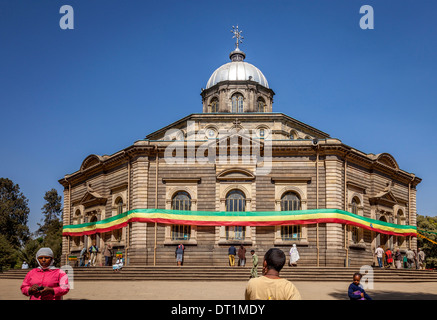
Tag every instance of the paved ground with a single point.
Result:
(183, 290)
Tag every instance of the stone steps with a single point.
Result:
(214, 273)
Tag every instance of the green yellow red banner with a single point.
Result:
(246, 218)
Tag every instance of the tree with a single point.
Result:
(428, 227)
(14, 213)
(51, 229)
(28, 252)
(7, 257)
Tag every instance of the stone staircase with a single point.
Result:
(224, 273)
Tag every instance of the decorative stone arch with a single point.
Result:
(235, 174)
(245, 99)
(387, 160)
(356, 195)
(90, 161)
(259, 97)
(268, 131)
(215, 96)
(208, 127)
(78, 214)
(399, 214)
(297, 190)
(294, 135)
(239, 187)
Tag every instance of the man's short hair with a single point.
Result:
(275, 259)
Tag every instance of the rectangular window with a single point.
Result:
(355, 234)
(180, 232)
(290, 205)
(290, 233)
(235, 233)
(234, 205)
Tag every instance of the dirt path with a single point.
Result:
(183, 290)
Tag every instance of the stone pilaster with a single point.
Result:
(139, 178)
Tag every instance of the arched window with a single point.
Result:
(213, 107)
(401, 221)
(235, 201)
(181, 201)
(117, 233)
(355, 232)
(290, 202)
(77, 217)
(119, 204)
(237, 103)
(261, 105)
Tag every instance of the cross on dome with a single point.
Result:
(237, 35)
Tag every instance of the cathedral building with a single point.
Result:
(239, 173)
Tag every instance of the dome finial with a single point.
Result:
(237, 35)
(237, 54)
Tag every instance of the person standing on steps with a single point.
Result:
(254, 271)
(179, 253)
(241, 256)
(294, 256)
(231, 253)
(93, 254)
(421, 256)
(108, 254)
(379, 252)
(398, 259)
(389, 258)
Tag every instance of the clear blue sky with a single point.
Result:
(131, 67)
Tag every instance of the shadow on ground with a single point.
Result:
(389, 295)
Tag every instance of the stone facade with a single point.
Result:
(207, 156)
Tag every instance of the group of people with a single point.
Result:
(241, 254)
(90, 255)
(411, 259)
(47, 282)
(50, 283)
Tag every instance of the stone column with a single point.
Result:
(335, 251)
(139, 178)
(66, 217)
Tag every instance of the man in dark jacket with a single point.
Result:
(179, 253)
(232, 252)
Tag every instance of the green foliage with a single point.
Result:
(14, 213)
(28, 252)
(51, 229)
(7, 253)
(428, 224)
(16, 244)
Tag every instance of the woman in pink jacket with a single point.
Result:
(45, 282)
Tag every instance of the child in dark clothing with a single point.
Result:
(356, 291)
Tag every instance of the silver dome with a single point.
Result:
(237, 70)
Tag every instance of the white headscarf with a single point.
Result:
(294, 254)
(45, 252)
